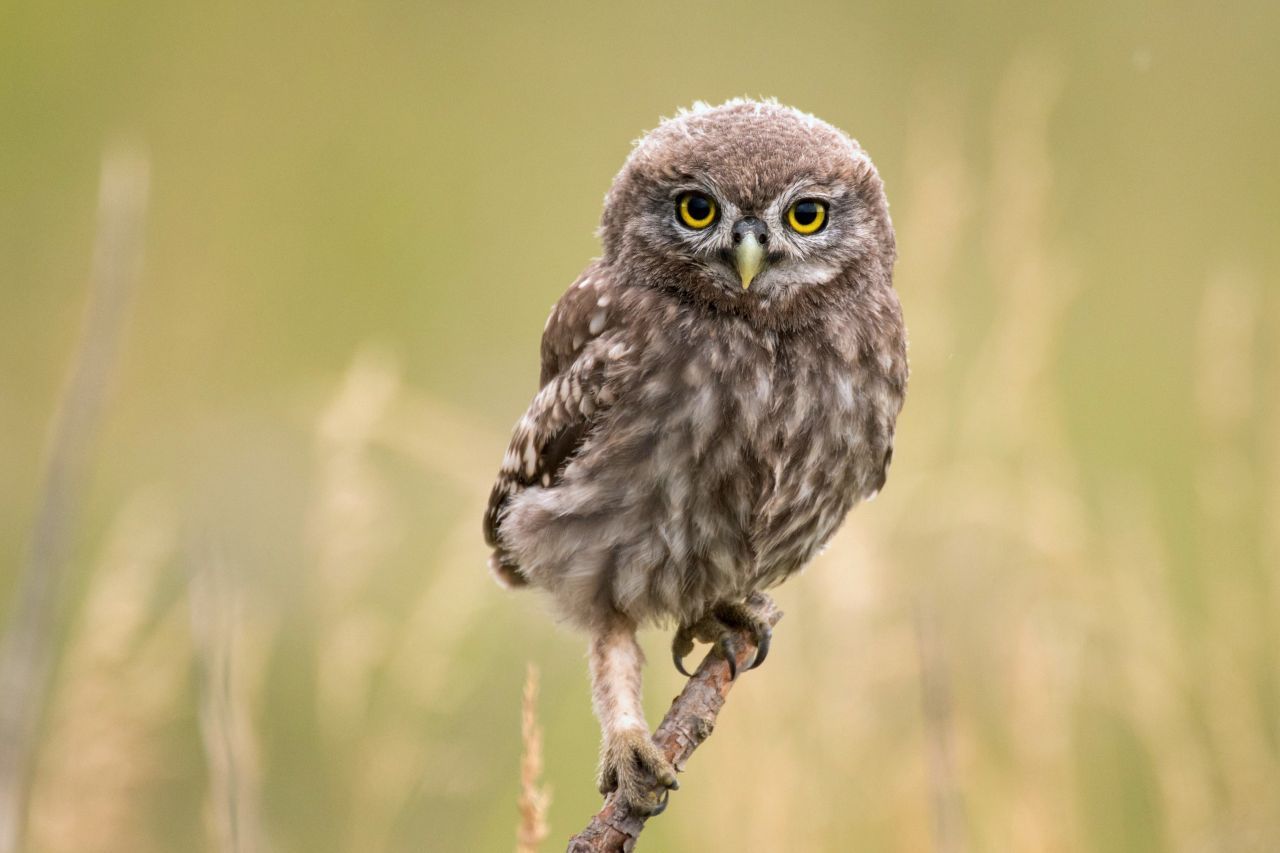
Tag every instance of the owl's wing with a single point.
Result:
(580, 316)
(577, 386)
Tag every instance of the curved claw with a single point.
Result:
(762, 649)
(678, 660)
(681, 646)
(662, 804)
(725, 645)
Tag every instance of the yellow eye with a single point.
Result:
(807, 216)
(696, 210)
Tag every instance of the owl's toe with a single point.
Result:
(634, 769)
(723, 627)
(750, 617)
(681, 646)
(730, 647)
(763, 640)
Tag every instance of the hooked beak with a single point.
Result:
(748, 257)
(749, 237)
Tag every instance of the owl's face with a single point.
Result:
(752, 207)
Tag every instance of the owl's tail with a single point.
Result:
(505, 571)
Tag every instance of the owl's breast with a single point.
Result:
(825, 443)
(768, 442)
(729, 459)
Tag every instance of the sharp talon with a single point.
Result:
(678, 659)
(762, 650)
(681, 646)
(662, 804)
(729, 657)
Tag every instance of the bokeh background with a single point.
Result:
(1056, 630)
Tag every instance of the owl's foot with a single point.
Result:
(720, 627)
(632, 765)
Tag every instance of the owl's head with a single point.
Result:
(753, 207)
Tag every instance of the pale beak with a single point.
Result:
(748, 256)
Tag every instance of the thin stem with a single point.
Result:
(27, 651)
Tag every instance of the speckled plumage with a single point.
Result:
(695, 441)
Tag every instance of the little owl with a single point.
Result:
(717, 391)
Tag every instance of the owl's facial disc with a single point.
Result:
(749, 238)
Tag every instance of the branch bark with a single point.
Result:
(688, 723)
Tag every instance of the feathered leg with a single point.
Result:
(630, 762)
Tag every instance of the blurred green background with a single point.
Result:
(1055, 631)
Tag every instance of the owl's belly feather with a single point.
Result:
(731, 465)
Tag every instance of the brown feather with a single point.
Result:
(692, 441)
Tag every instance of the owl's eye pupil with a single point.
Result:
(806, 212)
(807, 216)
(696, 210)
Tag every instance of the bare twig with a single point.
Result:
(687, 724)
(534, 796)
(27, 654)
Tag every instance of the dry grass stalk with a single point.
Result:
(28, 644)
(457, 448)
(225, 717)
(935, 694)
(535, 798)
(354, 520)
(352, 523)
(121, 680)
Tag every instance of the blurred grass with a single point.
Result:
(1054, 631)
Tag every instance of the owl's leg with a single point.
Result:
(630, 762)
(720, 626)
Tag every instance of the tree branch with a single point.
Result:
(687, 724)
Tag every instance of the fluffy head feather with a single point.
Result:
(754, 158)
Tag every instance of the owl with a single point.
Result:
(718, 389)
